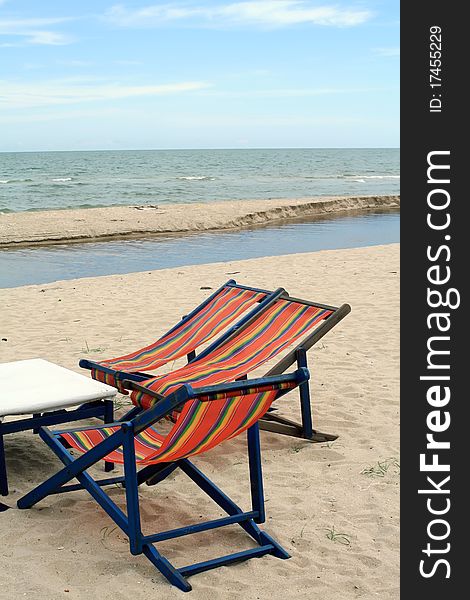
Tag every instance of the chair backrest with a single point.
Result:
(268, 333)
(205, 422)
(225, 306)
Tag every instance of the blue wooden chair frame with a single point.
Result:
(102, 409)
(130, 523)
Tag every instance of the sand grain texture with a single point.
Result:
(67, 547)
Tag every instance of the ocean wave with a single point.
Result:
(61, 179)
(15, 180)
(64, 207)
(320, 177)
(132, 193)
(379, 176)
(353, 176)
(197, 178)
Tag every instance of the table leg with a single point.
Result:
(108, 418)
(3, 467)
(35, 416)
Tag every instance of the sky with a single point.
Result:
(141, 74)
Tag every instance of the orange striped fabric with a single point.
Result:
(224, 309)
(271, 332)
(200, 426)
(204, 423)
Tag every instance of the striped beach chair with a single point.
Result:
(283, 322)
(228, 307)
(208, 416)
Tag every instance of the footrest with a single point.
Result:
(189, 529)
(225, 560)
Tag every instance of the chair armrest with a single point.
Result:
(251, 386)
(240, 386)
(86, 427)
(84, 363)
(132, 385)
(166, 405)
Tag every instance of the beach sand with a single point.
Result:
(85, 225)
(67, 547)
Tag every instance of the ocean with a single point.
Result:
(60, 180)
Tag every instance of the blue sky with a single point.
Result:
(136, 74)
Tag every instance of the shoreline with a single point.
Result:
(40, 228)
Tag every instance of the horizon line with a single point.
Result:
(207, 149)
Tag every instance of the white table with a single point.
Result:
(44, 390)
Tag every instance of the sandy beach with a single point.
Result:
(334, 507)
(118, 222)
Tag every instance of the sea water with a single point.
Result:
(69, 261)
(60, 180)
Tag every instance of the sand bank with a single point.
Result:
(67, 547)
(58, 226)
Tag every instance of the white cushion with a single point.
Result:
(36, 385)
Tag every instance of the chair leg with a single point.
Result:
(153, 474)
(108, 418)
(35, 416)
(74, 468)
(306, 411)
(277, 424)
(3, 467)
(304, 390)
(266, 544)
(304, 430)
(135, 410)
(166, 568)
(130, 522)
(132, 494)
(229, 506)
(256, 474)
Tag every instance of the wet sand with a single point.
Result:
(85, 225)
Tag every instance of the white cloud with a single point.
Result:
(262, 13)
(292, 12)
(48, 38)
(19, 95)
(35, 31)
(294, 92)
(390, 51)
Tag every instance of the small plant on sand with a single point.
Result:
(105, 533)
(381, 468)
(336, 536)
(88, 350)
(121, 403)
